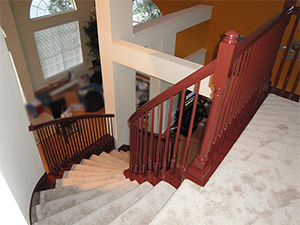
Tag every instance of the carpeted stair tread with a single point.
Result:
(49, 208)
(147, 207)
(182, 210)
(110, 211)
(73, 174)
(119, 155)
(71, 215)
(102, 165)
(113, 158)
(61, 192)
(125, 154)
(82, 180)
(86, 168)
(108, 159)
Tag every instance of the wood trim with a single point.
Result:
(125, 148)
(45, 182)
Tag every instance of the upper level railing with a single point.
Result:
(65, 141)
(289, 67)
(241, 79)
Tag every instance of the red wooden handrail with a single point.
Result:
(200, 74)
(67, 119)
(283, 16)
(67, 140)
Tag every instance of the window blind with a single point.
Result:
(59, 48)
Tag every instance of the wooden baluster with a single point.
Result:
(70, 140)
(151, 152)
(234, 103)
(99, 136)
(101, 132)
(83, 135)
(236, 97)
(274, 41)
(132, 145)
(289, 73)
(141, 143)
(166, 153)
(48, 157)
(92, 135)
(243, 86)
(188, 140)
(132, 148)
(261, 73)
(102, 124)
(100, 143)
(158, 152)
(112, 130)
(78, 137)
(287, 47)
(52, 142)
(295, 86)
(227, 108)
(105, 129)
(175, 153)
(56, 155)
(144, 169)
(86, 134)
(110, 126)
(136, 145)
(88, 137)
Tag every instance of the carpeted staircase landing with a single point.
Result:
(96, 192)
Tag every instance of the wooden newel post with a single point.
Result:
(221, 79)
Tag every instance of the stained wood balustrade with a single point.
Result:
(67, 140)
(241, 80)
(292, 67)
(154, 152)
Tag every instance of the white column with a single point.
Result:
(114, 19)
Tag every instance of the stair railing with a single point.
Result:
(242, 82)
(241, 78)
(288, 71)
(65, 141)
(153, 142)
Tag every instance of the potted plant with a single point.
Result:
(91, 31)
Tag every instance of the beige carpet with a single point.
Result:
(257, 183)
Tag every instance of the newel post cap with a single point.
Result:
(231, 37)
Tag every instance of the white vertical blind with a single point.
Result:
(59, 48)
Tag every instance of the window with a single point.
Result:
(41, 8)
(59, 48)
(144, 10)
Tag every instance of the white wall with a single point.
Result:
(26, 27)
(9, 209)
(13, 43)
(20, 163)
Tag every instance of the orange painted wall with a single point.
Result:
(243, 16)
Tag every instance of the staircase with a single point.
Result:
(96, 192)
